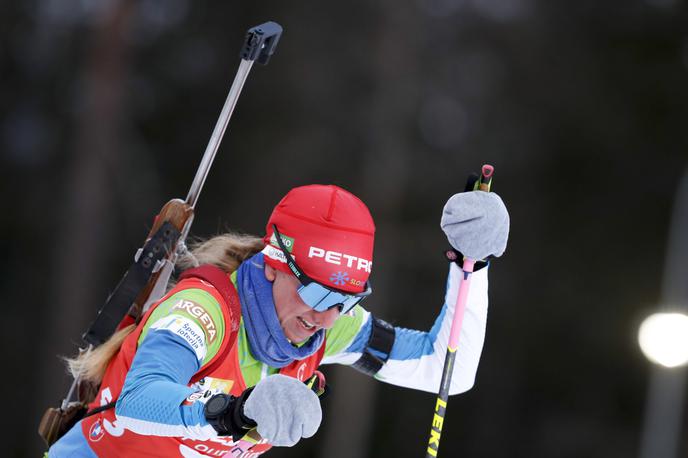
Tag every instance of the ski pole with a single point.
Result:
(483, 184)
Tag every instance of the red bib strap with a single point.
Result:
(221, 282)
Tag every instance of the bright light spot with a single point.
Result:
(663, 338)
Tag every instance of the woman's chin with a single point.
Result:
(297, 331)
(294, 337)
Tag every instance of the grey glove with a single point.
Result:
(476, 224)
(285, 410)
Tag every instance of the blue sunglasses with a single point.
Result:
(320, 297)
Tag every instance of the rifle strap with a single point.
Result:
(96, 410)
(131, 285)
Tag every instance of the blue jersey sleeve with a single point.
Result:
(155, 389)
(417, 357)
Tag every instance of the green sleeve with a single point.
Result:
(201, 308)
(340, 336)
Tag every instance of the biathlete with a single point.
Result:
(227, 350)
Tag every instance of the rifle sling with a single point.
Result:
(96, 410)
(131, 285)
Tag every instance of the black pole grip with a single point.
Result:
(260, 42)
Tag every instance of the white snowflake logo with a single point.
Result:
(339, 278)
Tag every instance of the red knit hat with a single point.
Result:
(328, 231)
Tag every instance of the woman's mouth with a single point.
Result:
(308, 326)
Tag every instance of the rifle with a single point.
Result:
(146, 280)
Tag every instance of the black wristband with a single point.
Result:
(381, 339)
(225, 413)
(215, 410)
(243, 423)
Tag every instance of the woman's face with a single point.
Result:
(298, 320)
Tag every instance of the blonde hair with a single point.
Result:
(226, 251)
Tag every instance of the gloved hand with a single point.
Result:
(285, 410)
(476, 224)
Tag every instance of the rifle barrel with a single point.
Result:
(218, 132)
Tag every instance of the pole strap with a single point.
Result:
(455, 256)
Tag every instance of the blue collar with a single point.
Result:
(266, 338)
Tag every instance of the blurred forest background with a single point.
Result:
(581, 106)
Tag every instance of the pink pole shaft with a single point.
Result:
(460, 307)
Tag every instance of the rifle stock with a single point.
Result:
(180, 215)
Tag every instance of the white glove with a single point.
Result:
(285, 410)
(476, 224)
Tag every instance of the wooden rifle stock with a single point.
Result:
(180, 215)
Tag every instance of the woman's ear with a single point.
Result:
(269, 273)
